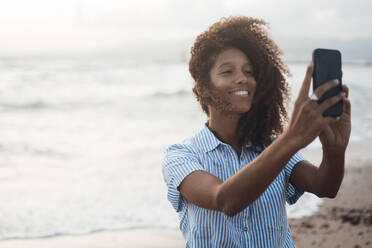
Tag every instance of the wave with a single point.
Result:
(27, 149)
(76, 232)
(21, 106)
(181, 92)
(41, 105)
(362, 63)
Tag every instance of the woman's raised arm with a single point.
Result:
(237, 192)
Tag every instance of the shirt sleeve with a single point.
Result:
(178, 163)
(292, 193)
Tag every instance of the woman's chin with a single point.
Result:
(242, 109)
(237, 111)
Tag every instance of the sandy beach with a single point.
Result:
(345, 221)
(134, 238)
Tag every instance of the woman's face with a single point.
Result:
(232, 82)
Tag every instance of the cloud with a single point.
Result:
(328, 19)
(54, 25)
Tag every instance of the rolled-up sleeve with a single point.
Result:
(179, 162)
(292, 193)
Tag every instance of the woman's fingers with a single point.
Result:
(347, 106)
(305, 88)
(321, 90)
(345, 89)
(330, 102)
(331, 120)
(307, 117)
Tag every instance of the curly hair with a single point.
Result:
(267, 115)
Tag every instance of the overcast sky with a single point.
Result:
(29, 26)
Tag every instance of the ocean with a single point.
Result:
(82, 140)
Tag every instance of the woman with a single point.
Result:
(230, 181)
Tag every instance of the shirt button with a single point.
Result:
(245, 229)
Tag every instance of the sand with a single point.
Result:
(345, 221)
(134, 238)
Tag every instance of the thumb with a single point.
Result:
(305, 88)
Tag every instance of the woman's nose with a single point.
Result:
(241, 78)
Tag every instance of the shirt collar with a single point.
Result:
(207, 141)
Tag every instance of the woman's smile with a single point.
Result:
(240, 93)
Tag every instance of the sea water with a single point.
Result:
(82, 140)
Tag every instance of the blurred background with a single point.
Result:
(92, 93)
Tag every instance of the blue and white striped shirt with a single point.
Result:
(262, 224)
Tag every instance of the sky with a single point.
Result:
(47, 26)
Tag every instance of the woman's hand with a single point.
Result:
(335, 135)
(307, 120)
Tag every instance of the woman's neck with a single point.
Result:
(224, 126)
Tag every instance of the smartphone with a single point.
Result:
(327, 66)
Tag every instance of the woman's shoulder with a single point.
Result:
(194, 145)
(188, 145)
(183, 153)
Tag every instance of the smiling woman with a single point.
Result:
(250, 37)
(230, 181)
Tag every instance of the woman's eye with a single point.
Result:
(226, 72)
(249, 72)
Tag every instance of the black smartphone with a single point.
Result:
(327, 66)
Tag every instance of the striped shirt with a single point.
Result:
(262, 224)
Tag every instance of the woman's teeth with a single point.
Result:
(241, 93)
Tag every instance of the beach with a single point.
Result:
(345, 221)
(136, 238)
